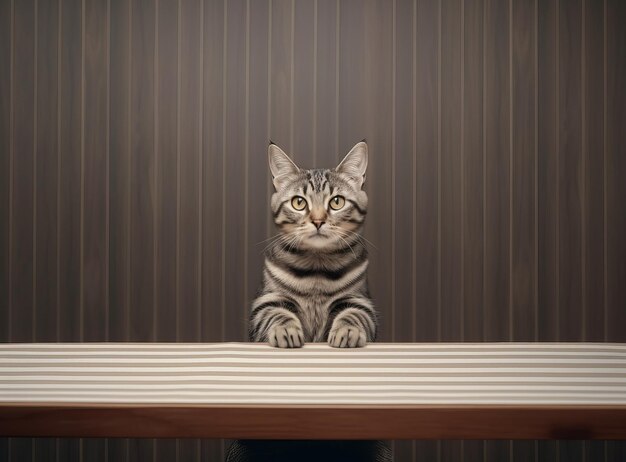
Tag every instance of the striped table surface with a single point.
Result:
(244, 390)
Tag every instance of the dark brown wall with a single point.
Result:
(134, 186)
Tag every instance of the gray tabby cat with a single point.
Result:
(315, 287)
(314, 278)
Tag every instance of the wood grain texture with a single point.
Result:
(303, 91)
(497, 171)
(451, 173)
(280, 75)
(6, 46)
(213, 200)
(403, 170)
(473, 158)
(351, 422)
(615, 101)
(259, 182)
(427, 200)
(95, 157)
(23, 178)
(70, 278)
(327, 32)
(119, 172)
(166, 153)
(189, 145)
(523, 225)
(142, 164)
(47, 171)
(593, 181)
(569, 172)
(235, 162)
(547, 183)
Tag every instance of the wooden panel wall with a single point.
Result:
(134, 186)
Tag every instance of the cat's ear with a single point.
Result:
(355, 164)
(281, 165)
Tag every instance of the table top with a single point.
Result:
(410, 390)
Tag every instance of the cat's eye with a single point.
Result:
(298, 203)
(337, 202)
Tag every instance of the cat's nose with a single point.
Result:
(318, 223)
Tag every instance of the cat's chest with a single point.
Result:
(313, 315)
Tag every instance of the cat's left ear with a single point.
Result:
(355, 164)
(281, 165)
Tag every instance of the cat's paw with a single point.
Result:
(347, 337)
(287, 336)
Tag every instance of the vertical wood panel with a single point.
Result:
(426, 206)
(303, 76)
(47, 172)
(95, 171)
(142, 183)
(451, 171)
(593, 150)
(497, 179)
(326, 84)
(615, 169)
(235, 171)
(119, 172)
(402, 202)
(473, 199)
(70, 171)
(190, 85)
(280, 75)
(23, 180)
(258, 169)
(6, 67)
(569, 168)
(547, 143)
(213, 179)
(167, 169)
(523, 168)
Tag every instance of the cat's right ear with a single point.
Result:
(281, 165)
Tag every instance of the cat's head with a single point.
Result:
(321, 208)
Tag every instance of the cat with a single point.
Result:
(314, 278)
(314, 286)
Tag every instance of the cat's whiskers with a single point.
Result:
(359, 236)
(278, 239)
(337, 231)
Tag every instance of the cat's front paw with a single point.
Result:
(287, 336)
(347, 337)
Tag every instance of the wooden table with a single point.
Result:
(382, 391)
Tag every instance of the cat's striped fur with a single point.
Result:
(314, 278)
